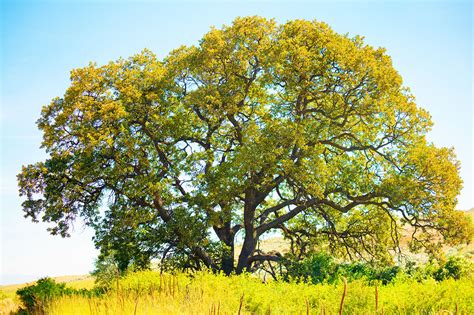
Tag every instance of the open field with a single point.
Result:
(150, 293)
(204, 293)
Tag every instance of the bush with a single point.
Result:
(321, 268)
(455, 267)
(355, 271)
(36, 297)
(386, 275)
(317, 268)
(106, 272)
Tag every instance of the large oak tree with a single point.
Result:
(261, 127)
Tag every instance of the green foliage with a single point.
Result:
(36, 297)
(455, 267)
(106, 272)
(317, 268)
(258, 127)
(322, 268)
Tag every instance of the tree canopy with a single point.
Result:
(261, 127)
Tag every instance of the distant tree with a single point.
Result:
(261, 127)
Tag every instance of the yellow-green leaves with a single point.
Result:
(310, 131)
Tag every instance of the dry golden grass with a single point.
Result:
(203, 293)
(148, 292)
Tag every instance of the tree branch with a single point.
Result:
(287, 216)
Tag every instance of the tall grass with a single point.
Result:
(149, 292)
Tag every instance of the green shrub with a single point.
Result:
(355, 271)
(106, 272)
(455, 267)
(317, 268)
(36, 297)
(386, 275)
(321, 268)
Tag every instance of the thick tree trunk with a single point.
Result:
(250, 241)
(226, 235)
(248, 247)
(228, 261)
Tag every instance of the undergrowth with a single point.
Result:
(149, 292)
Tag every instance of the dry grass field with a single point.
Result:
(161, 300)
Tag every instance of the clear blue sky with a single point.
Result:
(430, 43)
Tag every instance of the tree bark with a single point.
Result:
(250, 241)
(226, 235)
(228, 261)
(248, 247)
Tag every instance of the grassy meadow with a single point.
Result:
(152, 292)
(149, 292)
